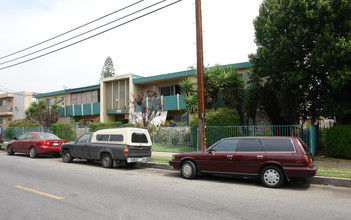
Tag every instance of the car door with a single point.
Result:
(28, 142)
(249, 157)
(81, 146)
(17, 145)
(219, 157)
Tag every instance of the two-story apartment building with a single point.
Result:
(111, 100)
(13, 106)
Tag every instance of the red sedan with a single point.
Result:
(35, 143)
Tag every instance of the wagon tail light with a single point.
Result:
(126, 151)
(308, 159)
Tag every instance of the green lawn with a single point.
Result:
(340, 172)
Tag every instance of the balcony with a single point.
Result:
(80, 110)
(6, 111)
(175, 102)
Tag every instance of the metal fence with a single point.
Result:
(185, 139)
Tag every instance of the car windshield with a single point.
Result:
(48, 136)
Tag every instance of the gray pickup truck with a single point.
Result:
(112, 147)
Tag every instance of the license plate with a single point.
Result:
(55, 144)
(137, 159)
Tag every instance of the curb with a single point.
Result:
(320, 180)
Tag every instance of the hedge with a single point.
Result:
(63, 131)
(338, 141)
(101, 125)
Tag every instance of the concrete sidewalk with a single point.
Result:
(343, 182)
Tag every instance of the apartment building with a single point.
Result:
(111, 100)
(13, 106)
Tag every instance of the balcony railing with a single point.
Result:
(175, 102)
(80, 110)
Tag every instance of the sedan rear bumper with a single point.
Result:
(301, 172)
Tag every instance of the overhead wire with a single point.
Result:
(61, 42)
(92, 36)
(74, 29)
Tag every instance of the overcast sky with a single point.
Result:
(161, 43)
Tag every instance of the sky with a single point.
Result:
(160, 43)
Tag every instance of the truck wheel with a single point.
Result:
(33, 152)
(106, 160)
(67, 156)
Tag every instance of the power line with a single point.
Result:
(72, 30)
(83, 33)
(134, 19)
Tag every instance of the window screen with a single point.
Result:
(139, 138)
(116, 137)
(228, 145)
(277, 145)
(250, 145)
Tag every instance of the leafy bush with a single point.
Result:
(338, 141)
(220, 117)
(63, 131)
(127, 125)
(24, 123)
(102, 125)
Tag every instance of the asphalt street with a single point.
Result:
(47, 188)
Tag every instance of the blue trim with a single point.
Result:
(184, 73)
(67, 91)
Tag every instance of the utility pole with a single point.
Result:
(200, 77)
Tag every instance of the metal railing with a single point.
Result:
(185, 139)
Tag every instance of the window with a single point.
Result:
(29, 137)
(170, 90)
(228, 145)
(48, 136)
(85, 138)
(250, 145)
(278, 145)
(102, 137)
(139, 138)
(85, 97)
(22, 137)
(1, 121)
(117, 137)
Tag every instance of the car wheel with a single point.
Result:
(10, 150)
(106, 161)
(33, 152)
(67, 156)
(188, 170)
(272, 176)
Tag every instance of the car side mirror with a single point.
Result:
(14, 138)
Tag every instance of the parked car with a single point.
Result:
(271, 159)
(111, 147)
(34, 144)
(1, 136)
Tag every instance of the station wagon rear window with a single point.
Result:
(278, 145)
(139, 138)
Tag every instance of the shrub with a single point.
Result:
(63, 131)
(102, 125)
(127, 125)
(220, 117)
(338, 141)
(24, 123)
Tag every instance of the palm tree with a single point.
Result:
(231, 88)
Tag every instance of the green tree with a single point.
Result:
(252, 97)
(108, 69)
(42, 113)
(304, 53)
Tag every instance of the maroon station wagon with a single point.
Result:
(272, 159)
(35, 143)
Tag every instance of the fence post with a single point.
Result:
(197, 138)
(313, 139)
